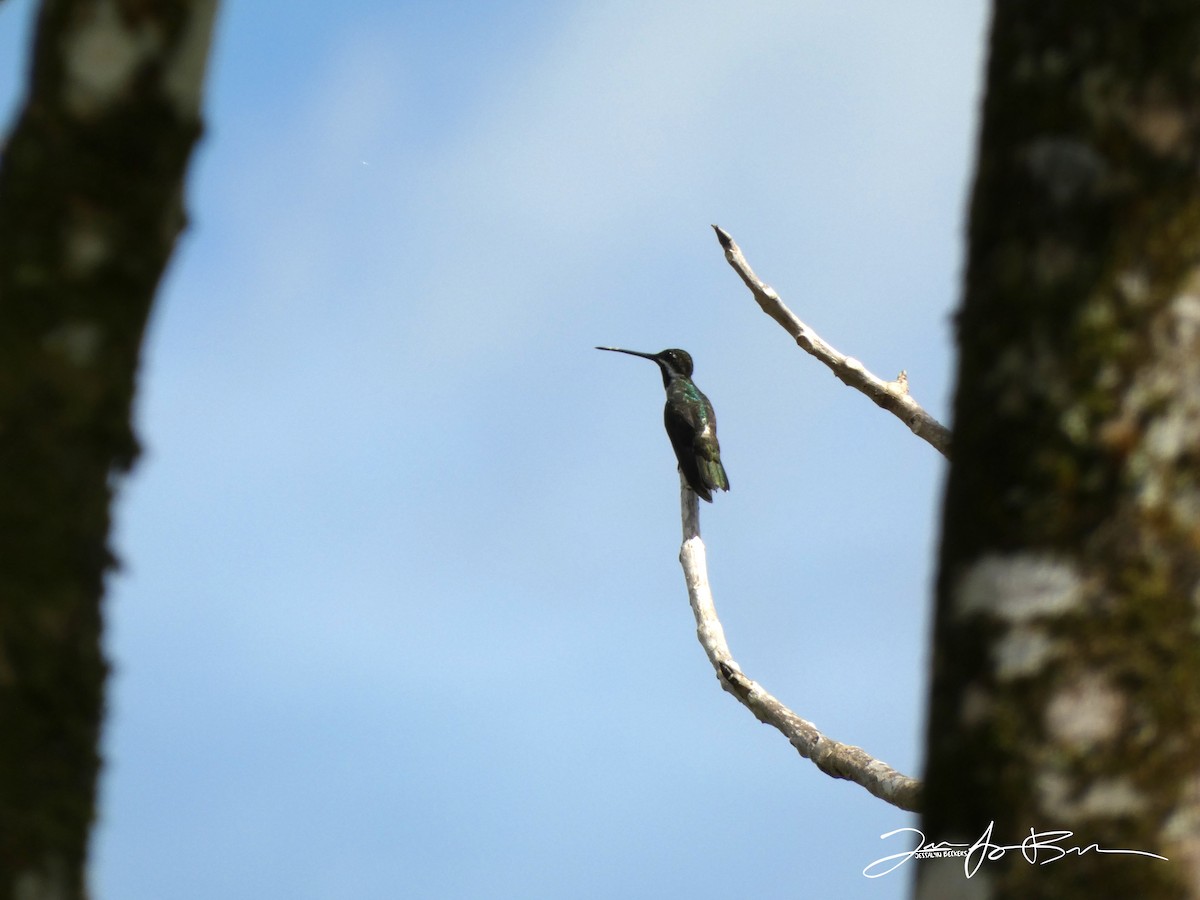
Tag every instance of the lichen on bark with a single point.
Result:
(1077, 445)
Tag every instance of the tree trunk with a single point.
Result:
(1066, 683)
(91, 181)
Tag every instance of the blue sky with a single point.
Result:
(401, 613)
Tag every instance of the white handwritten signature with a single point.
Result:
(1040, 848)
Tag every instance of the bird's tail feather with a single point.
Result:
(712, 475)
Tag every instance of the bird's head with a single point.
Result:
(678, 361)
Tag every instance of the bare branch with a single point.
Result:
(831, 757)
(891, 395)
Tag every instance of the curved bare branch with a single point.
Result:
(831, 757)
(891, 395)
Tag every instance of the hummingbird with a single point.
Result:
(691, 422)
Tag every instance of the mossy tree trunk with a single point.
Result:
(1066, 684)
(91, 181)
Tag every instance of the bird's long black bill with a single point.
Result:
(650, 356)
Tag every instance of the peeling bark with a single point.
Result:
(91, 183)
(1066, 685)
